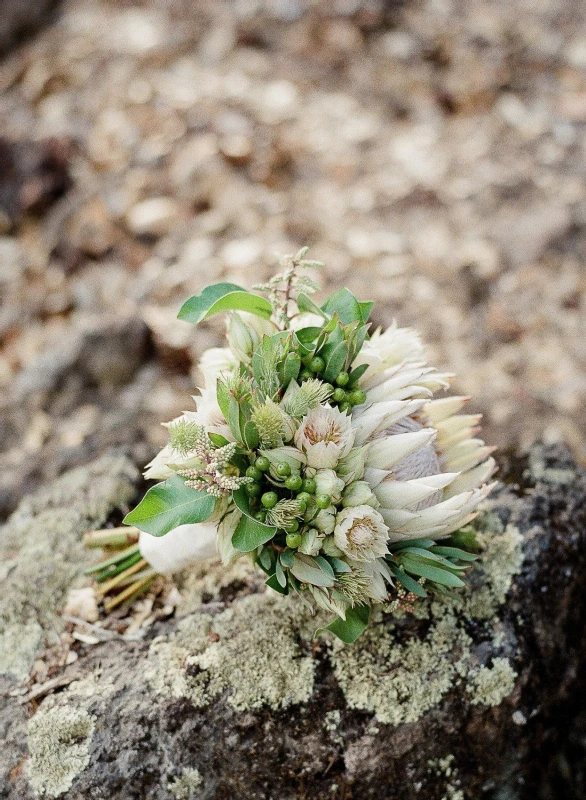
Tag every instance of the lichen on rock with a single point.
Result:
(251, 650)
(58, 740)
(186, 785)
(490, 685)
(42, 545)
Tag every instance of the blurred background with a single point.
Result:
(431, 152)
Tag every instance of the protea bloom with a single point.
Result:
(424, 463)
(325, 436)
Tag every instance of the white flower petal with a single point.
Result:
(387, 451)
(181, 547)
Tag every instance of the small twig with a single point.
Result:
(47, 688)
(111, 537)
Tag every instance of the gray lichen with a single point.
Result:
(186, 785)
(42, 545)
(490, 685)
(251, 650)
(58, 741)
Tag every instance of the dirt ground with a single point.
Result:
(431, 152)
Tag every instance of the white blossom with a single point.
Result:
(361, 533)
(325, 436)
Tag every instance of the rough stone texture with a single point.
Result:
(231, 698)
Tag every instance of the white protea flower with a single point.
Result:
(425, 465)
(209, 413)
(214, 363)
(361, 533)
(325, 436)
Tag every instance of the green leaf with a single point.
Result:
(236, 419)
(279, 574)
(358, 372)
(306, 304)
(287, 558)
(250, 534)
(251, 435)
(349, 629)
(264, 559)
(335, 362)
(291, 368)
(169, 504)
(346, 306)
(218, 439)
(442, 576)
(273, 582)
(223, 297)
(409, 584)
(339, 565)
(454, 552)
(307, 570)
(399, 546)
(223, 397)
(325, 565)
(308, 335)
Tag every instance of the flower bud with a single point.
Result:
(325, 521)
(311, 541)
(330, 548)
(352, 466)
(359, 493)
(241, 338)
(327, 482)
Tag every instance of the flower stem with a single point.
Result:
(111, 537)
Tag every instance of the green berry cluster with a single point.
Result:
(265, 492)
(345, 393)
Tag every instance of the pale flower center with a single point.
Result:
(327, 432)
(362, 533)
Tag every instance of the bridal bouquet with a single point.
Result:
(318, 449)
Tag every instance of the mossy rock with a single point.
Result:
(233, 697)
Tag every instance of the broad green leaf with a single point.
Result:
(223, 297)
(308, 335)
(291, 368)
(306, 304)
(236, 419)
(250, 533)
(349, 629)
(169, 504)
(365, 309)
(287, 558)
(346, 306)
(335, 362)
(264, 558)
(307, 570)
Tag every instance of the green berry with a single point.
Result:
(304, 497)
(309, 485)
(342, 378)
(345, 406)
(292, 527)
(254, 473)
(293, 540)
(283, 469)
(323, 500)
(294, 482)
(253, 489)
(269, 499)
(302, 506)
(329, 387)
(357, 397)
(260, 516)
(305, 374)
(339, 395)
(317, 364)
(262, 463)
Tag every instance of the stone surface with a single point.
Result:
(230, 697)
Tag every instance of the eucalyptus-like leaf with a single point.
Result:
(223, 297)
(349, 629)
(307, 570)
(168, 505)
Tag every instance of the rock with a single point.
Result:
(34, 175)
(18, 19)
(232, 698)
(153, 217)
